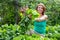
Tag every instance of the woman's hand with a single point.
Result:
(37, 19)
(41, 18)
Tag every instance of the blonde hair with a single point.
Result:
(44, 8)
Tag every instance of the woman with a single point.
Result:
(40, 22)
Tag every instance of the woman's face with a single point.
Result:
(40, 9)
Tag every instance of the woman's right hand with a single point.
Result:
(37, 19)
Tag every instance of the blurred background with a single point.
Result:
(14, 25)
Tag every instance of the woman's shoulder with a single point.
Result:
(46, 16)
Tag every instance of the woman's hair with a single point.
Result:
(44, 8)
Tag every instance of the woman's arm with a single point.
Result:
(42, 18)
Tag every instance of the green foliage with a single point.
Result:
(7, 32)
(27, 20)
(52, 33)
(34, 13)
(24, 23)
(13, 32)
(8, 10)
(26, 37)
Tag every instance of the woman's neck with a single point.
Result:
(41, 15)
